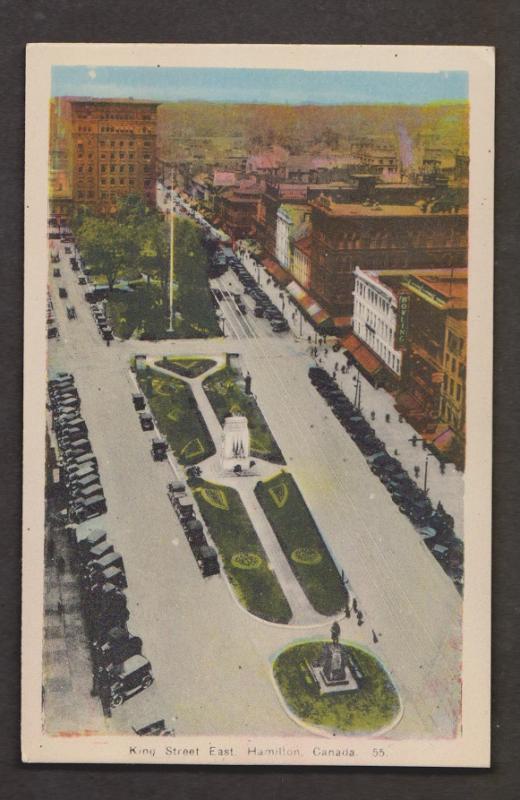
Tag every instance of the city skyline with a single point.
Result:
(261, 86)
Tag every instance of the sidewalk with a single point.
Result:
(69, 707)
(447, 488)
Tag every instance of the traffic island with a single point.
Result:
(227, 396)
(301, 542)
(362, 701)
(178, 417)
(185, 366)
(243, 557)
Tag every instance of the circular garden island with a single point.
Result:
(365, 701)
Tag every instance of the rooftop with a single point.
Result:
(359, 210)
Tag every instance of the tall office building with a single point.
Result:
(111, 150)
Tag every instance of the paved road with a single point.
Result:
(214, 677)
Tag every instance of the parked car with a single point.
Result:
(159, 449)
(62, 291)
(56, 272)
(82, 280)
(128, 678)
(279, 325)
(146, 420)
(71, 312)
(82, 510)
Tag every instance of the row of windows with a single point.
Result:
(384, 352)
(452, 388)
(126, 130)
(448, 413)
(382, 328)
(373, 297)
(455, 343)
(456, 367)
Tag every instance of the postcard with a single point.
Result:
(258, 405)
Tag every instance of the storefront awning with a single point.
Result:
(313, 309)
(362, 354)
(444, 440)
(277, 272)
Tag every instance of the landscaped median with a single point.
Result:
(242, 554)
(227, 396)
(178, 417)
(185, 366)
(372, 707)
(301, 542)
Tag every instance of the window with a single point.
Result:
(461, 369)
(131, 168)
(122, 168)
(452, 387)
(112, 181)
(103, 167)
(453, 365)
(459, 391)
(103, 181)
(80, 168)
(121, 181)
(112, 167)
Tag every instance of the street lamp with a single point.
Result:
(426, 474)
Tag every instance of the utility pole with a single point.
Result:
(426, 474)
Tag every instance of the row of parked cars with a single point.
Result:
(78, 465)
(120, 668)
(205, 555)
(100, 318)
(434, 524)
(264, 307)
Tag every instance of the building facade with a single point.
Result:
(301, 261)
(112, 151)
(453, 390)
(375, 318)
(350, 235)
(289, 220)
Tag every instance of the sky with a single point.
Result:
(259, 85)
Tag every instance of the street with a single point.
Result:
(210, 658)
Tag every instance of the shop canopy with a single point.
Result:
(276, 271)
(362, 355)
(307, 303)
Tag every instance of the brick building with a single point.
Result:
(346, 236)
(112, 150)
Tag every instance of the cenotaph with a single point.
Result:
(235, 444)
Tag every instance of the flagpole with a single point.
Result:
(172, 232)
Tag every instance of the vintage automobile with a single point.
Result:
(195, 533)
(159, 449)
(92, 539)
(138, 401)
(56, 272)
(128, 678)
(82, 280)
(146, 420)
(71, 312)
(207, 561)
(184, 509)
(176, 489)
(279, 325)
(86, 509)
(62, 292)
(97, 551)
(117, 646)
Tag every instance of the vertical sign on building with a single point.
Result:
(403, 312)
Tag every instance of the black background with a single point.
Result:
(481, 22)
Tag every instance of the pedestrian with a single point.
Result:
(360, 619)
(60, 607)
(108, 342)
(374, 637)
(354, 606)
(416, 471)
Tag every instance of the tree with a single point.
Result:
(154, 250)
(109, 247)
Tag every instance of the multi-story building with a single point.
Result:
(237, 209)
(375, 319)
(301, 261)
(112, 151)
(453, 389)
(370, 236)
(289, 219)
(436, 300)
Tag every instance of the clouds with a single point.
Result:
(92, 74)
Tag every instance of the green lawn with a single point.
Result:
(144, 313)
(227, 396)
(301, 542)
(186, 366)
(366, 710)
(177, 415)
(242, 554)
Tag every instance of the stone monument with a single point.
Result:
(235, 444)
(332, 671)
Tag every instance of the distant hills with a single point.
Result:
(310, 127)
